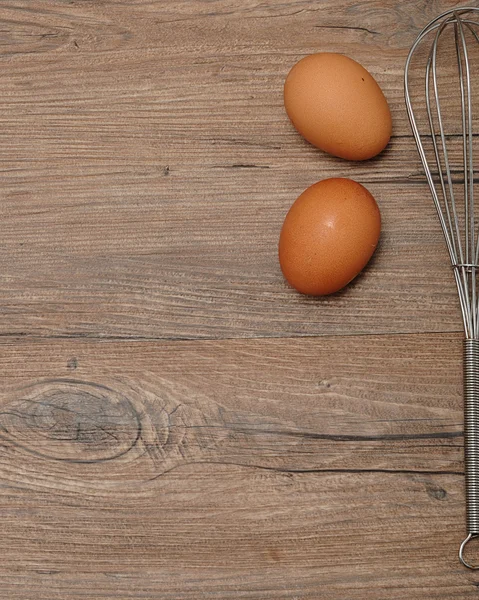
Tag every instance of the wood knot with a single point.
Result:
(17, 37)
(436, 492)
(71, 421)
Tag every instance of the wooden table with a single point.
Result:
(176, 423)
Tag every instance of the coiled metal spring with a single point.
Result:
(471, 434)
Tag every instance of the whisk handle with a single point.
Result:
(471, 441)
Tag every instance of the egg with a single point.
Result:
(337, 105)
(328, 236)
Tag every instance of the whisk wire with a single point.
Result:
(466, 114)
(462, 243)
(449, 201)
(464, 138)
(468, 167)
(450, 223)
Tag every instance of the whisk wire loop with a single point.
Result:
(458, 225)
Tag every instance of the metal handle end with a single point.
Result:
(470, 537)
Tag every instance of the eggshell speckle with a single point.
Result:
(328, 236)
(337, 105)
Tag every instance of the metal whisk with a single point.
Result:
(455, 210)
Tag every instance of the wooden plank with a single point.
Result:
(255, 468)
(221, 68)
(121, 263)
(335, 403)
(147, 165)
(237, 533)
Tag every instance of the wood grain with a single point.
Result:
(175, 422)
(336, 403)
(186, 269)
(147, 164)
(267, 468)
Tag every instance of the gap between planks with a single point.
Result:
(24, 335)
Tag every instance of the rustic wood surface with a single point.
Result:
(175, 422)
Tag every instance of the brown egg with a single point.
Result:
(338, 106)
(328, 236)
